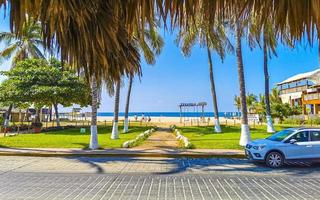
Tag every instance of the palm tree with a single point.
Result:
(150, 45)
(237, 102)
(212, 39)
(126, 112)
(115, 132)
(20, 47)
(270, 127)
(94, 109)
(245, 131)
(251, 100)
(93, 48)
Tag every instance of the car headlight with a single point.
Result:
(259, 147)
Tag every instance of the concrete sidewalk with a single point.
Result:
(121, 152)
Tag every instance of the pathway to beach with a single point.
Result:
(163, 138)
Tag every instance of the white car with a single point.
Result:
(288, 144)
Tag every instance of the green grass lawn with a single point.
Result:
(70, 138)
(205, 138)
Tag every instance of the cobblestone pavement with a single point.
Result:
(153, 178)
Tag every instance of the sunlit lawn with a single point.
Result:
(205, 138)
(71, 138)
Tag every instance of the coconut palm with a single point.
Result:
(150, 45)
(211, 39)
(94, 109)
(17, 48)
(251, 100)
(89, 49)
(245, 131)
(237, 102)
(115, 132)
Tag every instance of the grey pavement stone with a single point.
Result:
(154, 178)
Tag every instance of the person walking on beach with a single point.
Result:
(142, 118)
(136, 117)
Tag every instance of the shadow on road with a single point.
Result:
(197, 165)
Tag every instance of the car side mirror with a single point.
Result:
(293, 141)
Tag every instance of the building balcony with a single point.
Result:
(294, 89)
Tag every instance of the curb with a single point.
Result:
(178, 155)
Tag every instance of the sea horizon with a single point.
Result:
(171, 114)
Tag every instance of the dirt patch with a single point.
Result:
(161, 139)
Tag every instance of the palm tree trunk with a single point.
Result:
(115, 132)
(57, 114)
(270, 128)
(245, 131)
(126, 114)
(94, 107)
(217, 127)
(7, 117)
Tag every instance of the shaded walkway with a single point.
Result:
(163, 138)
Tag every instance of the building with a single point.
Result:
(303, 90)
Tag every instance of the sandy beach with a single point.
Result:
(167, 121)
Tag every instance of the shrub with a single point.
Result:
(1, 121)
(314, 121)
(295, 121)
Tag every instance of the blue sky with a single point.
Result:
(174, 78)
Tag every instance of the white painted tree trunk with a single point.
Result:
(217, 127)
(94, 106)
(115, 132)
(270, 128)
(245, 135)
(94, 137)
(126, 125)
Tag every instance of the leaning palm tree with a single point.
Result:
(150, 45)
(213, 40)
(17, 48)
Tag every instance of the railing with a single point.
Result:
(312, 96)
(295, 89)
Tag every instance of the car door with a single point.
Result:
(301, 149)
(315, 142)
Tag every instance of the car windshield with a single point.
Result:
(279, 136)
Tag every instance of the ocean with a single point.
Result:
(171, 114)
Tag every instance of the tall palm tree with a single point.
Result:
(94, 109)
(150, 45)
(19, 47)
(212, 39)
(270, 127)
(115, 132)
(245, 131)
(126, 111)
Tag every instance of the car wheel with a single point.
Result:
(274, 159)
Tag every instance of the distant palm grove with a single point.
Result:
(100, 43)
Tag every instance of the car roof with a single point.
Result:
(303, 128)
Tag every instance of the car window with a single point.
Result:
(315, 135)
(302, 136)
(281, 135)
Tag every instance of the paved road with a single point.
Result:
(153, 178)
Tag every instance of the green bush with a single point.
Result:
(295, 121)
(1, 121)
(315, 121)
